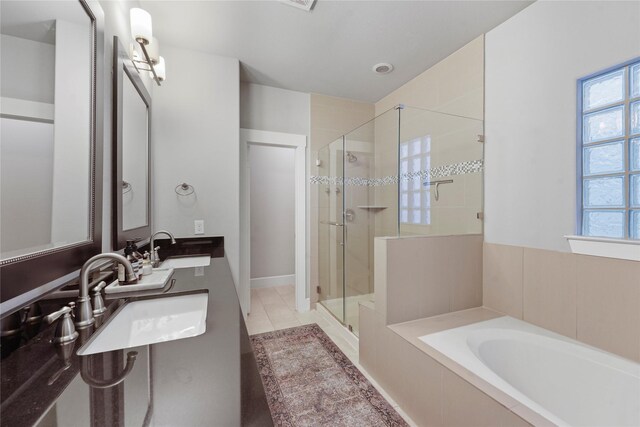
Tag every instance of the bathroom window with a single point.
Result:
(415, 199)
(609, 152)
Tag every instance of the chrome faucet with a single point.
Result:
(83, 310)
(155, 258)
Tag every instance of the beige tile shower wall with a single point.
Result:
(453, 140)
(594, 300)
(331, 117)
(386, 164)
(425, 276)
(455, 85)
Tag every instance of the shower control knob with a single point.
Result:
(349, 215)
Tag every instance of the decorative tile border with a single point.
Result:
(461, 168)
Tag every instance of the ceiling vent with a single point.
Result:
(382, 68)
(300, 4)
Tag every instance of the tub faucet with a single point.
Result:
(83, 309)
(155, 258)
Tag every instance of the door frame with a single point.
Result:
(276, 139)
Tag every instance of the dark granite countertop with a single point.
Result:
(211, 379)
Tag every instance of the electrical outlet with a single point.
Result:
(198, 226)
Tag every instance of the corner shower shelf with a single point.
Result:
(373, 207)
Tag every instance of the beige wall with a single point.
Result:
(592, 299)
(419, 277)
(454, 86)
(331, 117)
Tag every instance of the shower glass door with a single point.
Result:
(441, 174)
(407, 172)
(331, 228)
(359, 220)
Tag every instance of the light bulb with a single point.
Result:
(153, 49)
(160, 70)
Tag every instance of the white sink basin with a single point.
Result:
(156, 280)
(151, 321)
(187, 262)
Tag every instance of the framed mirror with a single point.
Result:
(52, 61)
(132, 151)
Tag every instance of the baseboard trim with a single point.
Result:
(268, 282)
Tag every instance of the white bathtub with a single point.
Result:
(565, 381)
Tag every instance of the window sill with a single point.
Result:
(604, 247)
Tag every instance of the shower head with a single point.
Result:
(351, 158)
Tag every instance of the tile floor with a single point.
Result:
(274, 308)
(351, 305)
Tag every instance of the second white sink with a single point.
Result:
(187, 262)
(151, 321)
(158, 279)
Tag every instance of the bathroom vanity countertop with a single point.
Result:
(211, 379)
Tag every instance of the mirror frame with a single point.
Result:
(123, 68)
(25, 273)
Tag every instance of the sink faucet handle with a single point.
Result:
(50, 318)
(155, 257)
(65, 331)
(99, 287)
(97, 302)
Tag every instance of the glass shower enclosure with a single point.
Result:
(407, 172)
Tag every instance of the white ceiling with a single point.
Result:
(332, 49)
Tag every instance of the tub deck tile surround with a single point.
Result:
(502, 278)
(459, 384)
(608, 304)
(549, 295)
(592, 299)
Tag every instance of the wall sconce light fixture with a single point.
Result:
(141, 30)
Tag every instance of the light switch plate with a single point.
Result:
(198, 226)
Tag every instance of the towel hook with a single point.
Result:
(184, 189)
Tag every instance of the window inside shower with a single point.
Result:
(415, 198)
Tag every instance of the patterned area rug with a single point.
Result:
(310, 382)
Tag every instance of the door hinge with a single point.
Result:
(480, 215)
(318, 290)
(481, 139)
